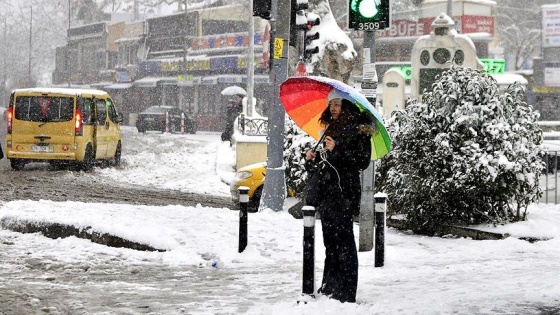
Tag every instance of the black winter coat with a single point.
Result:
(340, 177)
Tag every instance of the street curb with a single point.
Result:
(56, 230)
(455, 230)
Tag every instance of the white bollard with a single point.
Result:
(167, 122)
(380, 224)
(308, 285)
(182, 123)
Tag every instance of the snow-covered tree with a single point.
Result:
(296, 143)
(465, 155)
(336, 57)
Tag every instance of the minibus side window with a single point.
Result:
(112, 110)
(101, 112)
(86, 106)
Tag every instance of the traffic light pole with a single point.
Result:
(274, 190)
(369, 89)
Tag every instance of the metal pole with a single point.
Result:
(369, 89)
(30, 47)
(380, 208)
(308, 284)
(450, 8)
(243, 217)
(274, 190)
(251, 62)
(366, 211)
(66, 61)
(5, 75)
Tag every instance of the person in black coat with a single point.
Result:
(234, 108)
(347, 151)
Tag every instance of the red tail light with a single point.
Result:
(161, 118)
(79, 124)
(10, 118)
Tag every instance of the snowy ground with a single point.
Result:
(201, 271)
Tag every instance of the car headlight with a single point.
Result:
(239, 176)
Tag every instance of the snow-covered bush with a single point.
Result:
(296, 143)
(465, 155)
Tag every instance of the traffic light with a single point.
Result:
(298, 20)
(369, 15)
(311, 36)
(261, 8)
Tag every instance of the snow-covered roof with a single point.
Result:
(509, 78)
(66, 91)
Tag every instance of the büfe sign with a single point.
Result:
(423, 26)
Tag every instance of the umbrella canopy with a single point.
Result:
(305, 98)
(233, 90)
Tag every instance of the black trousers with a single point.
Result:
(340, 275)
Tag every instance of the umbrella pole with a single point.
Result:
(319, 142)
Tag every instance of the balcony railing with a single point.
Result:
(252, 126)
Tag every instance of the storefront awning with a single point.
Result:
(118, 86)
(168, 81)
(233, 79)
(147, 82)
(100, 85)
(188, 81)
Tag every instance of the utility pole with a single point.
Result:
(4, 69)
(30, 46)
(251, 63)
(369, 89)
(67, 56)
(275, 184)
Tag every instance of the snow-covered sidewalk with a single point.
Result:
(201, 271)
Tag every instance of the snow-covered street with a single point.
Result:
(201, 272)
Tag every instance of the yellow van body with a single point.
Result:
(62, 125)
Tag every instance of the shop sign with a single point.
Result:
(546, 89)
(405, 70)
(477, 24)
(552, 77)
(493, 66)
(423, 26)
(551, 25)
(198, 64)
(170, 66)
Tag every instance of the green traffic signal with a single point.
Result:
(367, 9)
(369, 14)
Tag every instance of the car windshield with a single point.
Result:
(156, 110)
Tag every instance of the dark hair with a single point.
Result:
(349, 112)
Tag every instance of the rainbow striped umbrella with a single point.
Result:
(305, 98)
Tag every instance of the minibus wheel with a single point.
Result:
(17, 164)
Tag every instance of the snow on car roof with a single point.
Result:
(67, 91)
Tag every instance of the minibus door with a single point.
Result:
(101, 129)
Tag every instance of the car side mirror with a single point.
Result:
(119, 118)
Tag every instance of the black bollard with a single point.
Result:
(380, 206)
(243, 218)
(308, 286)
